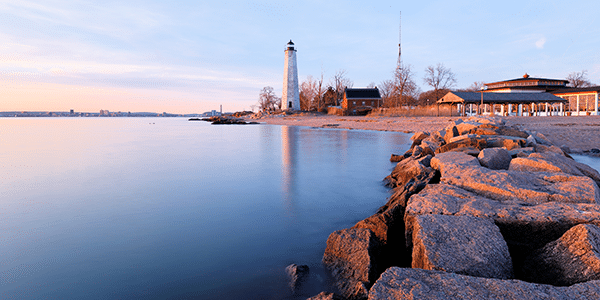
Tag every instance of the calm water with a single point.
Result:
(159, 208)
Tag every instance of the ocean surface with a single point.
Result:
(163, 208)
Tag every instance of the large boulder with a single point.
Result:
(536, 224)
(459, 244)
(527, 187)
(573, 258)
(552, 162)
(400, 283)
(351, 256)
(495, 158)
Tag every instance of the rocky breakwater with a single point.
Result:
(478, 210)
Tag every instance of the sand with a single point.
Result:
(578, 133)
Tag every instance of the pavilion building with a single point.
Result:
(526, 96)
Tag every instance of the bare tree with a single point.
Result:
(475, 86)
(309, 90)
(579, 79)
(371, 85)
(401, 89)
(267, 100)
(339, 82)
(439, 78)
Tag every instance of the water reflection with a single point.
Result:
(289, 155)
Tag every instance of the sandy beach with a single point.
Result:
(578, 133)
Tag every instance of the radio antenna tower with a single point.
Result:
(400, 43)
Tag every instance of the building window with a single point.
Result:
(363, 102)
(353, 102)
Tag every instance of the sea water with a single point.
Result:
(164, 208)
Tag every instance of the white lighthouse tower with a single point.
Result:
(290, 99)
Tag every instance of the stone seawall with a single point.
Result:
(479, 204)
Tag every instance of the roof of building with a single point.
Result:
(528, 83)
(362, 93)
(577, 90)
(475, 97)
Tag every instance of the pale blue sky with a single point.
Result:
(189, 56)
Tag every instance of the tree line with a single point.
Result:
(399, 91)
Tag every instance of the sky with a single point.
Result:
(193, 56)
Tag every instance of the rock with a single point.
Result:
(565, 149)
(573, 258)
(396, 158)
(545, 149)
(351, 256)
(463, 170)
(418, 137)
(466, 142)
(521, 152)
(465, 127)
(400, 283)
(495, 158)
(507, 142)
(325, 296)
(411, 172)
(450, 133)
(444, 162)
(433, 142)
(459, 244)
(525, 228)
(530, 141)
(552, 162)
(468, 150)
(297, 275)
(595, 151)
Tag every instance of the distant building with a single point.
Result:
(290, 98)
(361, 100)
(526, 96)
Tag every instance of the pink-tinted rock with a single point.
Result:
(458, 244)
(573, 258)
(528, 187)
(351, 256)
(399, 283)
(552, 162)
(478, 143)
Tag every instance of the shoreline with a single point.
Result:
(580, 134)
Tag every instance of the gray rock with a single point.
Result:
(530, 141)
(459, 244)
(573, 258)
(464, 171)
(351, 256)
(494, 158)
(297, 274)
(399, 283)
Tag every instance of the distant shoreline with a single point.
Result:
(580, 134)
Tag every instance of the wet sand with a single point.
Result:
(578, 133)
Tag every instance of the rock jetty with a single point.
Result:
(223, 120)
(478, 210)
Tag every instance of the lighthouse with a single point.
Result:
(290, 99)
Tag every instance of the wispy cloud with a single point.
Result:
(540, 43)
